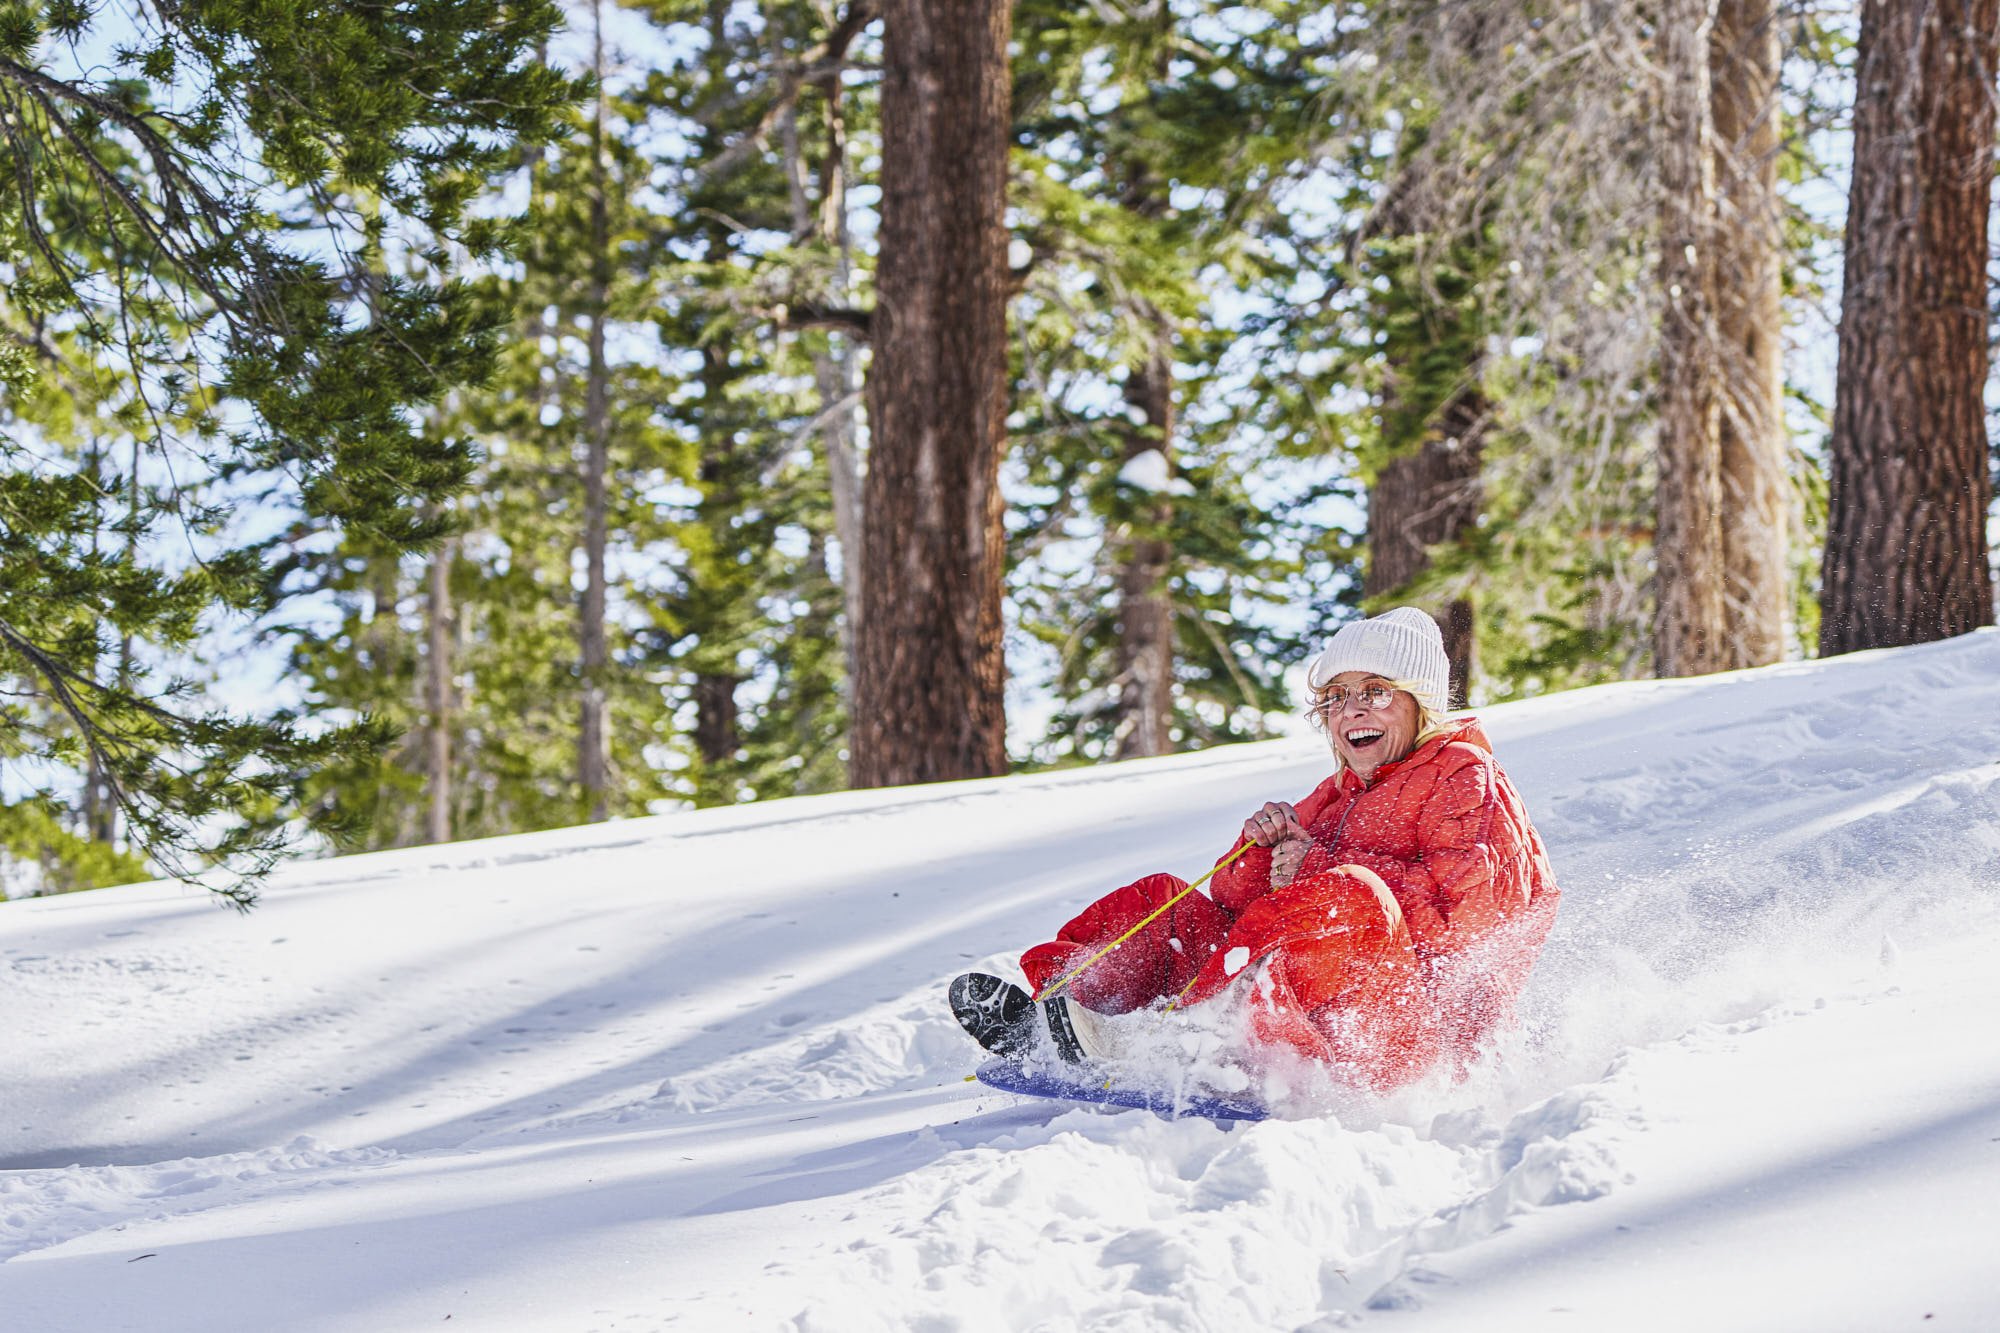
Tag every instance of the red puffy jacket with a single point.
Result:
(1382, 986)
(1445, 830)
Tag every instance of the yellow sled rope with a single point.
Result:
(1144, 921)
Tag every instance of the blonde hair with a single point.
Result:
(1430, 722)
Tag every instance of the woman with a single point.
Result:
(1382, 925)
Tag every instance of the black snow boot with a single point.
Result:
(1006, 1020)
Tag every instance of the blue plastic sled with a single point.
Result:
(1010, 1077)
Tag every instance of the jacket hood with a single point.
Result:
(1465, 729)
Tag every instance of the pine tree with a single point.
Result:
(1424, 460)
(750, 636)
(494, 737)
(51, 839)
(1634, 247)
(1151, 188)
(256, 360)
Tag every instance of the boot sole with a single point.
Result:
(997, 1014)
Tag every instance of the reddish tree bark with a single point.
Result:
(1906, 554)
(1423, 500)
(716, 712)
(1688, 626)
(929, 693)
(1748, 294)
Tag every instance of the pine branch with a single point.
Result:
(797, 315)
(818, 64)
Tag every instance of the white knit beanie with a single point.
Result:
(1403, 644)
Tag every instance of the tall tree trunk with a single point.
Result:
(593, 766)
(929, 702)
(715, 681)
(1145, 608)
(1688, 627)
(1145, 676)
(834, 367)
(834, 372)
(103, 818)
(715, 718)
(1748, 292)
(100, 795)
(127, 650)
(99, 814)
(1426, 499)
(715, 706)
(438, 694)
(834, 376)
(1906, 553)
(382, 645)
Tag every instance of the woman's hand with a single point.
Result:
(1286, 858)
(1273, 824)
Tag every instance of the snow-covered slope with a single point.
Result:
(695, 1072)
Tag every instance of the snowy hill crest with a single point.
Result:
(693, 1072)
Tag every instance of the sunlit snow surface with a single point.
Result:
(696, 1072)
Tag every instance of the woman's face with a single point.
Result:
(1366, 738)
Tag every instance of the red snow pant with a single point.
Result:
(1340, 982)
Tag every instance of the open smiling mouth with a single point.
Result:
(1363, 737)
